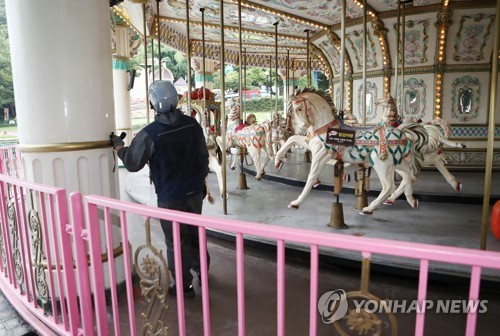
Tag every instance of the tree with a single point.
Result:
(174, 60)
(6, 84)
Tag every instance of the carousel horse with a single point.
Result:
(254, 137)
(438, 131)
(279, 132)
(382, 147)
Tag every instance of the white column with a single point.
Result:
(61, 65)
(63, 84)
(121, 66)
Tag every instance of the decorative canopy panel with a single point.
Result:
(467, 25)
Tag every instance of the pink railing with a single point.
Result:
(36, 257)
(11, 163)
(74, 244)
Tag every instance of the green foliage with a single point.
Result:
(265, 105)
(6, 84)
(174, 60)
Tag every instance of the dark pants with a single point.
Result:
(190, 250)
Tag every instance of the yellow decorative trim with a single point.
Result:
(64, 147)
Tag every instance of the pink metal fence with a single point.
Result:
(36, 256)
(74, 244)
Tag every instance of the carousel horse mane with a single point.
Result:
(318, 92)
(251, 119)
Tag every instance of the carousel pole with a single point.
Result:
(240, 63)
(223, 107)
(152, 60)
(308, 61)
(202, 10)
(360, 180)
(403, 45)
(491, 131)
(276, 63)
(145, 59)
(337, 215)
(242, 182)
(245, 82)
(307, 154)
(158, 31)
(270, 82)
(287, 78)
(398, 50)
(188, 38)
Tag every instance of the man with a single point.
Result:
(175, 148)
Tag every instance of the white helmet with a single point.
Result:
(163, 96)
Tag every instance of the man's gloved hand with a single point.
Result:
(116, 141)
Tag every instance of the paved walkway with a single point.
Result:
(11, 323)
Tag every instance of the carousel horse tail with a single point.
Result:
(435, 138)
(445, 126)
(418, 141)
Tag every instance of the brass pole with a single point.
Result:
(287, 74)
(365, 275)
(152, 60)
(223, 107)
(245, 81)
(158, 31)
(308, 63)
(363, 106)
(491, 130)
(145, 60)
(270, 83)
(188, 58)
(276, 62)
(242, 182)
(398, 50)
(403, 45)
(240, 63)
(342, 54)
(203, 66)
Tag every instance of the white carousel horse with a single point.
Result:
(382, 147)
(438, 130)
(279, 132)
(255, 138)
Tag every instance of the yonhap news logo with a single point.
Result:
(333, 306)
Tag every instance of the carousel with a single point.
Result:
(407, 109)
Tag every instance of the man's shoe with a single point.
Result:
(188, 290)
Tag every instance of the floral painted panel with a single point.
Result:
(355, 41)
(371, 98)
(337, 97)
(331, 53)
(414, 102)
(416, 41)
(472, 37)
(465, 98)
(393, 4)
(325, 11)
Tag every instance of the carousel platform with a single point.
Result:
(444, 217)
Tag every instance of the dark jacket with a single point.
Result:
(175, 148)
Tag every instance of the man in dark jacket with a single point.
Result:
(175, 148)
